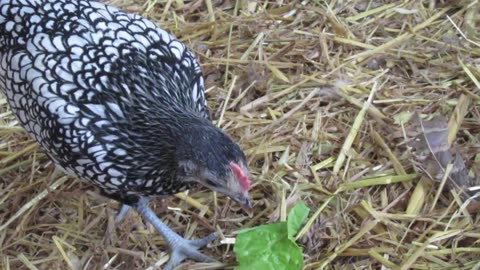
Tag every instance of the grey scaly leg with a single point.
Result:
(180, 248)
(121, 214)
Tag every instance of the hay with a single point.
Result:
(319, 95)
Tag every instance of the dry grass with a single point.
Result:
(318, 94)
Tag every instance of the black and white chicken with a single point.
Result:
(117, 101)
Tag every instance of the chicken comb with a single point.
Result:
(240, 175)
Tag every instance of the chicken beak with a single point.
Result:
(247, 207)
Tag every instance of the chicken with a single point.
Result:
(115, 100)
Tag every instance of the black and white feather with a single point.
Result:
(96, 87)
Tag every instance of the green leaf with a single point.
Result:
(271, 247)
(268, 248)
(296, 217)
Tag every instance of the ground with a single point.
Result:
(366, 110)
